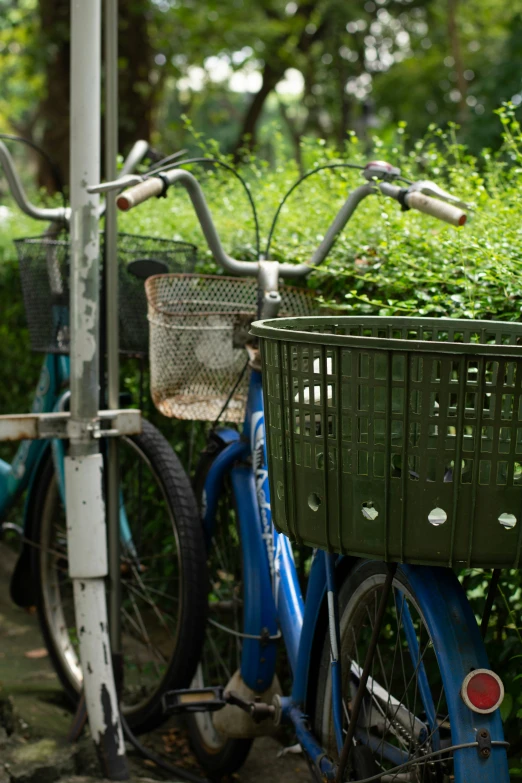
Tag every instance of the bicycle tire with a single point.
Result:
(217, 755)
(178, 652)
(381, 720)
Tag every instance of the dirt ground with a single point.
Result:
(35, 719)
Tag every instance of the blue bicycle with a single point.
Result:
(387, 675)
(162, 557)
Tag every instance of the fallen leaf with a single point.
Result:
(40, 652)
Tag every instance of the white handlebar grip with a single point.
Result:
(139, 193)
(436, 208)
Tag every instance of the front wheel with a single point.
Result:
(163, 577)
(405, 715)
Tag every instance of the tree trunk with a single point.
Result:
(344, 103)
(247, 136)
(53, 112)
(273, 71)
(295, 135)
(454, 37)
(137, 93)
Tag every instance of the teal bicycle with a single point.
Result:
(162, 557)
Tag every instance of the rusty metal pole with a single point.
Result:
(86, 527)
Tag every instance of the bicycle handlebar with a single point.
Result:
(139, 150)
(135, 156)
(414, 199)
(60, 215)
(139, 193)
(155, 186)
(408, 197)
(55, 214)
(436, 208)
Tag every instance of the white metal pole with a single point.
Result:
(86, 528)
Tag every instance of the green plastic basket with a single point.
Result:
(396, 438)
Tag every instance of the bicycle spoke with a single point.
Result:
(219, 657)
(145, 638)
(389, 713)
(170, 598)
(413, 676)
(155, 556)
(430, 735)
(398, 646)
(401, 652)
(136, 593)
(149, 601)
(366, 716)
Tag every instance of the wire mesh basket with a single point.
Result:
(198, 328)
(44, 273)
(398, 438)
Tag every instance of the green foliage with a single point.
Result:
(17, 362)
(387, 262)
(20, 59)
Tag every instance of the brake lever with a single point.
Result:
(117, 184)
(429, 188)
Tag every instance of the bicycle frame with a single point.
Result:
(20, 475)
(272, 598)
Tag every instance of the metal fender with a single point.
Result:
(459, 649)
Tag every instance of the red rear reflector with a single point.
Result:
(482, 691)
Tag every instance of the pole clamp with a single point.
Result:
(60, 425)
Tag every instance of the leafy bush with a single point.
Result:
(387, 262)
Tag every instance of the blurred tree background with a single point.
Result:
(234, 67)
(278, 77)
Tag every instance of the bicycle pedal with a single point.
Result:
(193, 700)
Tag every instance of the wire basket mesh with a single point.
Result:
(198, 329)
(44, 273)
(396, 438)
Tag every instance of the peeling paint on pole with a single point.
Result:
(85, 169)
(102, 707)
(86, 534)
(86, 250)
(85, 281)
